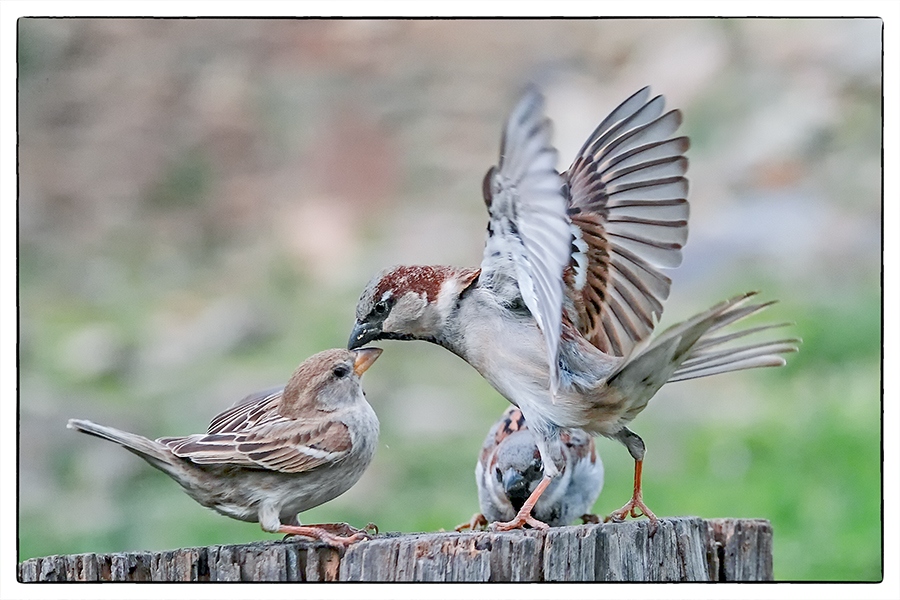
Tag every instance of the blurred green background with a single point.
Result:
(201, 203)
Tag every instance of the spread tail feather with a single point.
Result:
(702, 362)
(689, 350)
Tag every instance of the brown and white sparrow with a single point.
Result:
(509, 469)
(275, 453)
(558, 316)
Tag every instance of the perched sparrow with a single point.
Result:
(276, 453)
(558, 317)
(509, 469)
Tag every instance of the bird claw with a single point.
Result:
(519, 522)
(477, 521)
(523, 517)
(636, 508)
(339, 535)
(345, 529)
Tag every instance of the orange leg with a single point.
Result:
(524, 515)
(324, 533)
(635, 504)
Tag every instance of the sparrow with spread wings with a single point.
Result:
(558, 317)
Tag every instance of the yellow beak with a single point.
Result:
(364, 359)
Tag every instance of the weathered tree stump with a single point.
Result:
(683, 549)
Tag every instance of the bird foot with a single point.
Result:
(339, 535)
(345, 529)
(523, 517)
(518, 522)
(636, 508)
(478, 521)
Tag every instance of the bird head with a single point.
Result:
(328, 379)
(408, 303)
(517, 468)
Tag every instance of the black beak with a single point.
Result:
(362, 334)
(516, 487)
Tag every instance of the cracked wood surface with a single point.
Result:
(683, 549)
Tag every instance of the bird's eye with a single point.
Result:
(341, 371)
(381, 307)
(499, 475)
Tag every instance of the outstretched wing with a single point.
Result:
(529, 237)
(626, 194)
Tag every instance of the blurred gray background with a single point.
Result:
(202, 201)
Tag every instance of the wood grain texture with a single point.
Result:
(683, 549)
(743, 549)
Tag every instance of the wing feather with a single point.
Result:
(254, 434)
(280, 445)
(529, 235)
(626, 194)
(247, 412)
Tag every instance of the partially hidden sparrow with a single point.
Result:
(509, 469)
(276, 453)
(559, 315)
